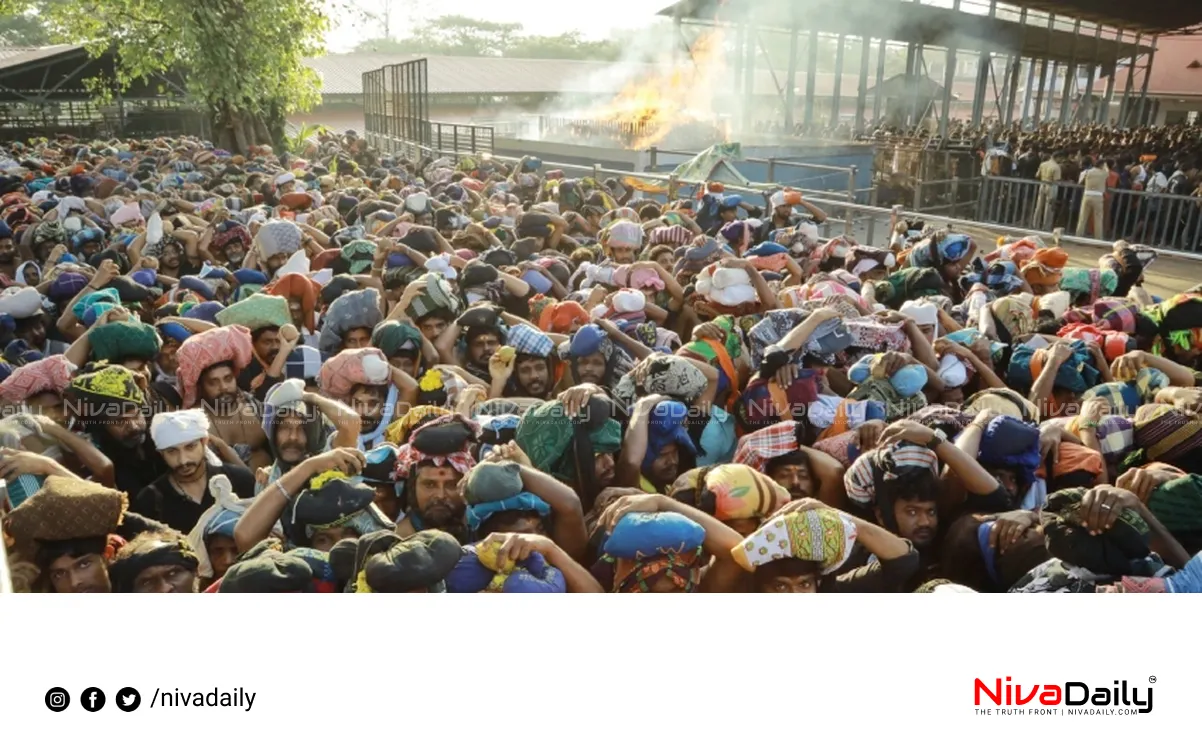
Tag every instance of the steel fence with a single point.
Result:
(396, 108)
(1158, 219)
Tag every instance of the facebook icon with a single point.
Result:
(92, 699)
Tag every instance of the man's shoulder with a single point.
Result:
(147, 496)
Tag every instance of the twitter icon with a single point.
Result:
(128, 699)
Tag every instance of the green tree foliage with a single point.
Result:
(23, 29)
(462, 36)
(242, 59)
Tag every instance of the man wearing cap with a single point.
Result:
(182, 495)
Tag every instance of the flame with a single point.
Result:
(683, 91)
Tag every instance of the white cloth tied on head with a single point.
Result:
(924, 313)
(298, 262)
(441, 265)
(729, 287)
(21, 303)
(178, 427)
(1057, 303)
(953, 371)
(283, 178)
(629, 300)
(375, 369)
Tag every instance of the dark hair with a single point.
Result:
(503, 521)
(255, 335)
(375, 388)
(797, 458)
(911, 484)
(48, 552)
(788, 567)
(218, 365)
(649, 212)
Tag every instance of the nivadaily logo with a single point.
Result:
(1071, 697)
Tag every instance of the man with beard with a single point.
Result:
(300, 425)
(272, 338)
(437, 457)
(110, 402)
(180, 497)
(530, 372)
(209, 364)
(228, 243)
(483, 332)
(806, 473)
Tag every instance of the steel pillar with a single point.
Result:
(1070, 75)
(791, 80)
(749, 79)
(1143, 92)
(880, 78)
(811, 76)
(862, 89)
(1125, 106)
(837, 92)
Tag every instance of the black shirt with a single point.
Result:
(134, 468)
(247, 378)
(161, 501)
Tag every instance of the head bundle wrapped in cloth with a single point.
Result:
(230, 345)
(387, 563)
(565, 447)
(101, 392)
(822, 536)
(731, 492)
(1044, 268)
(651, 551)
(1167, 434)
(480, 570)
(332, 500)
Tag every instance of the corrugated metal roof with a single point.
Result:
(342, 74)
(11, 56)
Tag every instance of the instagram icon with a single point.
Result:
(57, 699)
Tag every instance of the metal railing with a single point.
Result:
(953, 197)
(836, 175)
(862, 221)
(1158, 219)
(461, 137)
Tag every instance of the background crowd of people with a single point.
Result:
(343, 370)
